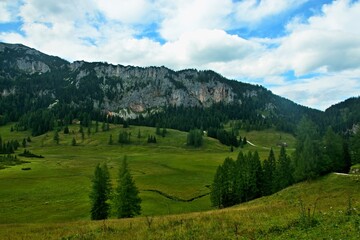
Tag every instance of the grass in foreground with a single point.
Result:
(333, 201)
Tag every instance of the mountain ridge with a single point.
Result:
(131, 92)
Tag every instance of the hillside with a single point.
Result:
(333, 203)
(31, 80)
(344, 116)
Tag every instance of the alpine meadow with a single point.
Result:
(179, 119)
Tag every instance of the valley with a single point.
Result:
(59, 184)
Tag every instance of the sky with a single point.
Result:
(305, 50)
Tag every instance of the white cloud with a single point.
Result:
(195, 37)
(4, 12)
(203, 47)
(130, 12)
(254, 11)
(181, 16)
(321, 91)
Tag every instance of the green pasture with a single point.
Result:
(56, 188)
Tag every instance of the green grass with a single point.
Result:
(57, 187)
(333, 200)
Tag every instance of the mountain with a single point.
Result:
(344, 116)
(31, 80)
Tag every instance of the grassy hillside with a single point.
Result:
(327, 208)
(57, 187)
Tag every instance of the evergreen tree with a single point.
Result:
(355, 148)
(127, 200)
(66, 130)
(333, 152)
(124, 137)
(97, 126)
(269, 174)
(307, 156)
(284, 172)
(73, 142)
(103, 127)
(139, 134)
(164, 132)
(100, 193)
(158, 132)
(346, 159)
(24, 143)
(194, 138)
(217, 188)
(110, 140)
(56, 137)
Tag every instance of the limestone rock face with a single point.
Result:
(140, 89)
(118, 89)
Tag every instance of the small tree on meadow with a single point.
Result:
(100, 193)
(127, 200)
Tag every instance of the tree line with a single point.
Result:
(245, 178)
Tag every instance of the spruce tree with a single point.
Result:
(127, 200)
(217, 188)
(100, 193)
(56, 137)
(269, 174)
(73, 142)
(284, 172)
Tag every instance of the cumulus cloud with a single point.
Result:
(4, 12)
(129, 12)
(321, 91)
(181, 16)
(196, 34)
(253, 11)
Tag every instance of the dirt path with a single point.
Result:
(256, 145)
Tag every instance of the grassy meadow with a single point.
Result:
(57, 187)
(327, 208)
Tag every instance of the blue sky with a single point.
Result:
(305, 50)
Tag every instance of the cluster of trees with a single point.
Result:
(355, 147)
(124, 200)
(151, 139)
(29, 154)
(124, 137)
(227, 138)
(315, 155)
(9, 146)
(195, 138)
(245, 178)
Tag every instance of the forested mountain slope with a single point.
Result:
(32, 81)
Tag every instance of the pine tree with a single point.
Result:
(127, 200)
(100, 193)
